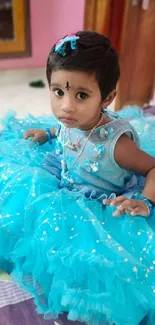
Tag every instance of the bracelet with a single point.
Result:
(49, 135)
(150, 204)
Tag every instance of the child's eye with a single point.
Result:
(81, 95)
(58, 92)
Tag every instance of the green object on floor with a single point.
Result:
(37, 84)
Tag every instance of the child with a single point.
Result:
(59, 201)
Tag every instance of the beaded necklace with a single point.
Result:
(65, 166)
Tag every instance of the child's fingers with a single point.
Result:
(132, 208)
(36, 138)
(127, 205)
(118, 200)
(139, 211)
(117, 213)
(115, 201)
(28, 134)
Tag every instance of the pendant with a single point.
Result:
(78, 145)
(71, 146)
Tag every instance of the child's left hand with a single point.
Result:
(129, 206)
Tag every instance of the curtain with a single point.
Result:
(106, 17)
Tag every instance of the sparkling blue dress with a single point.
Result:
(57, 238)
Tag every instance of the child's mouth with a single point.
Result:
(68, 120)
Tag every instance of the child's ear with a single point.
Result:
(106, 102)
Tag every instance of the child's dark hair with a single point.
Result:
(93, 54)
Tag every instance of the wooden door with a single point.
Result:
(137, 56)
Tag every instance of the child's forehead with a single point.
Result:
(75, 78)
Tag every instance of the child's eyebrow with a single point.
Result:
(77, 88)
(85, 89)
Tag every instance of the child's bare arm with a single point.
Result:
(127, 155)
(39, 135)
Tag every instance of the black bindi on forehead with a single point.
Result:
(67, 85)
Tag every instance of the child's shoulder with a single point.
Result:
(115, 127)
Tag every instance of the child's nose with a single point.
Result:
(68, 106)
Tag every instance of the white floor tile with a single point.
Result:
(16, 94)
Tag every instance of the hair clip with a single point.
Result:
(69, 38)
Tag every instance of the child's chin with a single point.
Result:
(69, 123)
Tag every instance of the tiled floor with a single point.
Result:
(16, 94)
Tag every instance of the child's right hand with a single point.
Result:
(37, 135)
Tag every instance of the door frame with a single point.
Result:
(20, 46)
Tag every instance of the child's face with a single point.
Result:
(75, 98)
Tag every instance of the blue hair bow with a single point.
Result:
(69, 38)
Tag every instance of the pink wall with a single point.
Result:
(50, 20)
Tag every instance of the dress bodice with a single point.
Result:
(95, 168)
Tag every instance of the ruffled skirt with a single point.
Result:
(68, 251)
